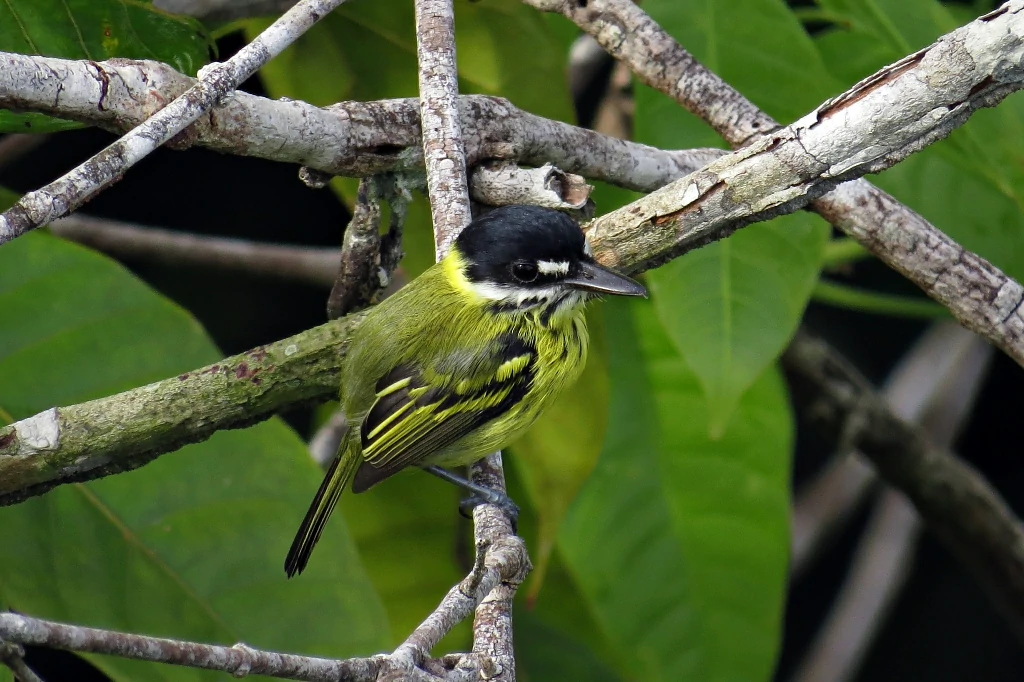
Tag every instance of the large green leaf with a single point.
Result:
(96, 30)
(971, 185)
(677, 541)
(189, 546)
(503, 48)
(731, 307)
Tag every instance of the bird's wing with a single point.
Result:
(419, 411)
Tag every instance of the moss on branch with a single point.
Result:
(126, 430)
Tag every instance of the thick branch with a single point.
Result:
(884, 554)
(956, 502)
(309, 265)
(351, 138)
(978, 294)
(861, 131)
(670, 221)
(64, 195)
(125, 431)
(945, 365)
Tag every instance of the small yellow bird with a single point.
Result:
(462, 360)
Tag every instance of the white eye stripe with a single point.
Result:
(548, 267)
(512, 295)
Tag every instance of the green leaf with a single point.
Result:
(503, 48)
(96, 30)
(971, 185)
(546, 653)
(679, 542)
(189, 546)
(731, 307)
(558, 453)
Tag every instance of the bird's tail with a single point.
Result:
(343, 468)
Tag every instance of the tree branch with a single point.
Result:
(956, 502)
(978, 294)
(239, 660)
(505, 184)
(368, 261)
(883, 557)
(443, 150)
(308, 265)
(216, 80)
(354, 139)
(12, 656)
(633, 239)
(124, 431)
(946, 362)
(445, 161)
(497, 565)
(858, 132)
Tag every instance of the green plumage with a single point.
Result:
(461, 361)
(437, 376)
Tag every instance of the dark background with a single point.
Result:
(941, 629)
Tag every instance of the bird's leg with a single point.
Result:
(481, 495)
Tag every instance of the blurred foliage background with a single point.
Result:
(656, 495)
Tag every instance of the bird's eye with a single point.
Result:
(524, 271)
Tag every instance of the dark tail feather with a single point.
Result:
(338, 476)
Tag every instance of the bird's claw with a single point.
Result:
(500, 500)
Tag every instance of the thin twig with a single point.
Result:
(216, 80)
(955, 501)
(449, 197)
(932, 369)
(13, 656)
(127, 241)
(239, 660)
(959, 279)
(355, 139)
(368, 261)
(883, 556)
(498, 564)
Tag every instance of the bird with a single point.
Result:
(463, 360)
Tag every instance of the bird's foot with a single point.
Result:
(480, 495)
(500, 500)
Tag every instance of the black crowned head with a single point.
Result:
(531, 255)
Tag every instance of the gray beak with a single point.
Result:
(594, 277)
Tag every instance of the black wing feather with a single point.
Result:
(419, 429)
